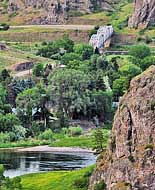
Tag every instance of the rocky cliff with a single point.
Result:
(144, 14)
(55, 11)
(129, 162)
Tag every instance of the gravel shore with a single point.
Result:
(54, 149)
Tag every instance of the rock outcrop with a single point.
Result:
(144, 14)
(98, 41)
(55, 11)
(129, 162)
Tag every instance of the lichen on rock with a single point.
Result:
(129, 162)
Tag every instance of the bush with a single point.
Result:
(140, 51)
(75, 131)
(38, 70)
(20, 132)
(100, 186)
(4, 137)
(46, 135)
(82, 182)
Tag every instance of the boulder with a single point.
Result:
(24, 66)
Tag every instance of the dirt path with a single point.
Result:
(61, 27)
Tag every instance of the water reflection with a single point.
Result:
(20, 163)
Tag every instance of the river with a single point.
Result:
(19, 163)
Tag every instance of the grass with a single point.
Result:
(54, 180)
(37, 34)
(60, 140)
(81, 141)
(24, 143)
(19, 53)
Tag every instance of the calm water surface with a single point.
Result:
(20, 163)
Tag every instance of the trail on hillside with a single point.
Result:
(61, 27)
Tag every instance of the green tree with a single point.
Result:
(65, 59)
(67, 90)
(84, 49)
(120, 86)
(98, 140)
(130, 70)
(140, 51)
(30, 102)
(8, 122)
(147, 62)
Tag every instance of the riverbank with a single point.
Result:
(54, 149)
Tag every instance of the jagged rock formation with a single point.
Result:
(55, 11)
(144, 14)
(129, 162)
(99, 40)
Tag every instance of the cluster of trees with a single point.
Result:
(83, 89)
(140, 59)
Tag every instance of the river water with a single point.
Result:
(20, 163)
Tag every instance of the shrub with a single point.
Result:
(20, 132)
(140, 51)
(46, 135)
(38, 70)
(82, 182)
(100, 186)
(4, 137)
(75, 131)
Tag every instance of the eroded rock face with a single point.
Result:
(144, 14)
(55, 11)
(129, 162)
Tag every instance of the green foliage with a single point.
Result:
(82, 182)
(84, 50)
(130, 70)
(17, 133)
(147, 62)
(100, 186)
(120, 86)
(55, 47)
(140, 51)
(46, 135)
(75, 131)
(67, 89)
(38, 70)
(30, 102)
(65, 59)
(8, 122)
(98, 137)
(7, 183)
(4, 138)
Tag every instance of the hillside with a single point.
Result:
(49, 11)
